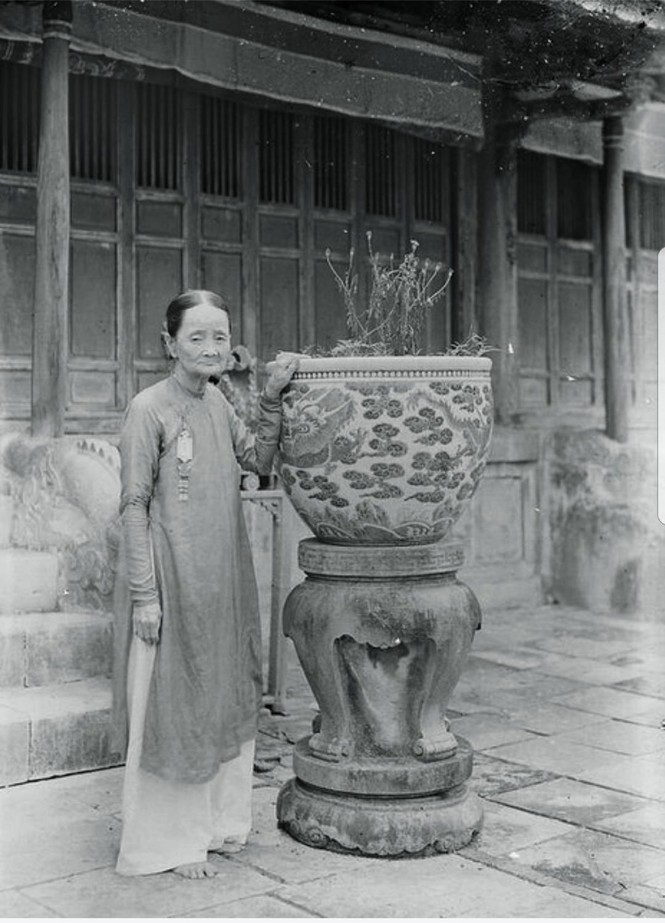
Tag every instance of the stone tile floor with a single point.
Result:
(566, 712)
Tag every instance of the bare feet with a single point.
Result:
(229, 846)
(196, 870)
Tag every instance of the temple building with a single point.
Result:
(149, 147)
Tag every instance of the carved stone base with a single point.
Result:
(382, 634)
(399, 777)
(383, 827)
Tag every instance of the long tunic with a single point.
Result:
(191, 555)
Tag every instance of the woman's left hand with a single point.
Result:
(281, 373)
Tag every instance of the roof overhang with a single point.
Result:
(291, 57)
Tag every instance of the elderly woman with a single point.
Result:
(187, 678)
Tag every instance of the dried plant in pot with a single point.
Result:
(380, 444)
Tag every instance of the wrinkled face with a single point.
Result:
(202, 341)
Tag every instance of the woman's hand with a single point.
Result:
(282, 371)
(147, 621)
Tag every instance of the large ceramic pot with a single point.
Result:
(385, 450)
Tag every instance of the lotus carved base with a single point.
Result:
(382, 635)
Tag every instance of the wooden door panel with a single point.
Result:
(222, 273)
(158, 281)
(279, 285)
(17, 273)
(93, 300)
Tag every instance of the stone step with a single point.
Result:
(54, 730)
(43, 648)
(28, 580)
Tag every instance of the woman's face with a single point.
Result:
(202, 342)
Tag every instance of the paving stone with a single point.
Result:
(40, 804)
(14, 746)
(594, 860)
(651, 894)
(559, 756)
(651, 684)
(594, 648)
(507, 829)
(650, 660)
(524, 659)
(441, 886)
(643, 776)
(261, 906)
(645, 825)
(568, 800)
(38, 853)
(652, 715)
(100, 790)
(592, 672)
(612, 703)
(534, 688)
(103, 893)
(15, 905)
(560, 905)
(658, 882)
(486, 731)
(619, 737)
(491, 776)
(467, 700)
(274, 852)
(552, 719)
(483, 673)
(652, 899)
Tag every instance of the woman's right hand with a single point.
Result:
(147, 620)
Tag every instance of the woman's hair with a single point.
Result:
(191, 299)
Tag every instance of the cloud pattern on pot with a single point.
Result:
(374, 461)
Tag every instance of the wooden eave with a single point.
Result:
(259, 51)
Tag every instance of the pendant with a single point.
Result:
(184, 455)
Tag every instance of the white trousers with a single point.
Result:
(166, 824)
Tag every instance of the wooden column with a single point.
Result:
(497, 264)
(49, 350)
(615, 299)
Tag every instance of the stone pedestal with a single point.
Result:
(382, 635)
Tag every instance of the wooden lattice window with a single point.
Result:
(531, 212)
(276, 157)
(652, 215)
(331, 163)
(220, 147)
(381, 171)
(559, 346)
(19, 117)
(92, 121)
(158, 137)
(429, 174)
(574, 207)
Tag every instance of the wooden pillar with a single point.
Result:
(615, 299)
(497, 264)
(49, 350)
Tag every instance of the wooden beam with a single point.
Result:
(464, 243)
(51, 300)
(569, 106)
(497, 275)
(615, 306)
